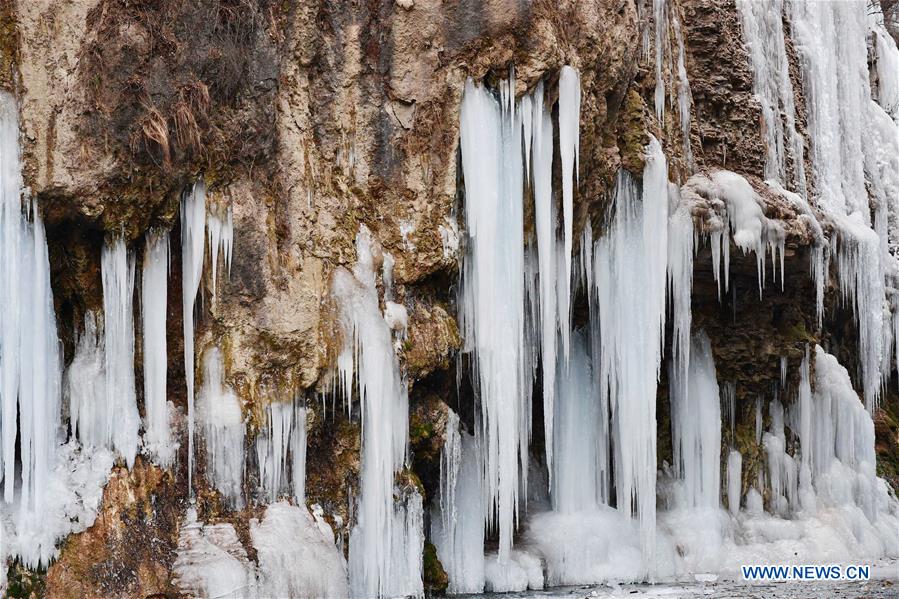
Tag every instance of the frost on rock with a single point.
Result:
(223, 430)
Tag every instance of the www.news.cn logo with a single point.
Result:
(809, 572)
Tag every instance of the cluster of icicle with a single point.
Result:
(497, 328)
(386, 542)
(600, 386)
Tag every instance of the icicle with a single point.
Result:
(193, 223)
(684, 97)
(569, 143)
(298, 456)
(734, 476)
(457, 522)
(680, 283)
(223, 430)
(551, 316)
(122, 419)
(385, 534)
(631, 263)
(857, 251)
(696, 426)
(30, 366)
(729, 392)
(154, 291)
(660, 18)
(763, 32)
(782, 468)
(281, 452)
(85, 388)
(492, 299)
(220, 228)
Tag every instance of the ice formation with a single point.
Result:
(223, 430)
(85, 387)
(696, 426)
(492, 318)
(628, 317)
(281, 451)
(220, 228)
(193, 224)
(211, 561)
(121, 420)
(764, 36)
(386, 543)
(297, 555)
(457, 520)
(505, 305)
(154, 294)
(49, 489)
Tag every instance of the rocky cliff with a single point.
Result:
(310, 119)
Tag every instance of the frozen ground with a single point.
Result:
(884, 583)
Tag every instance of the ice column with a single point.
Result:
(696, 426)
(223, 430)
(383, 544)
(154, 292)
(457, 521)
(492, 299)
(193, 223)
(630, 264)
(122, 419)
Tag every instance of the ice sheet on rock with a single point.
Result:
(763, 33)
(296, 554)
(211, 561)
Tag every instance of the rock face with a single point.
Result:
(310, 118)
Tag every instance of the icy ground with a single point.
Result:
(884, 583)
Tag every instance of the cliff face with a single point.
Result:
(308, 119)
